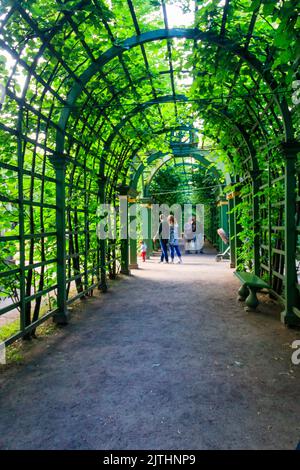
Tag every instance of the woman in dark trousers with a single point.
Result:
(162, 233)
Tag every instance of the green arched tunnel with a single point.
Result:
(94, 95)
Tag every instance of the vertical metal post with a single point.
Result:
(146, 203)
(223, 209)
(101, 242)
(23, 320)
(219, 241)
(230, 198)
(59, 163)
(255, 210)
(133, 264)
(149, 239)
(238, 228)
(270, 264)
(289, 151)
(86, 229)
(123, 199)
(224, 217)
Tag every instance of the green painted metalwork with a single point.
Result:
(124, 234)
(61, 317)
(132, 219)
(231, 232)
(238, 227)
(146, 202)
(255, 210)
(101, 261)
(168, 98)
(223, 215)
(73, 122)
(290, 314)
(192, 34)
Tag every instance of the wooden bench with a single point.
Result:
(251, 284)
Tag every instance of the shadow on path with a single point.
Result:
(166, 359)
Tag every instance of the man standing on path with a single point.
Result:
(163, 235)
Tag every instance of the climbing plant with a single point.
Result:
(96, 86)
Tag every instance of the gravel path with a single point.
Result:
(166, 359)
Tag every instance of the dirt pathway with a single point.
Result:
(166, 359)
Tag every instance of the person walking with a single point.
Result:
(162, 234)
(174, 236)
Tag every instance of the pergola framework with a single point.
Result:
(183, 155)
(101, 86)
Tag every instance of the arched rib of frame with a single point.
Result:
(202, 163)
(239, 128)
(198, 155)
(192, 34)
